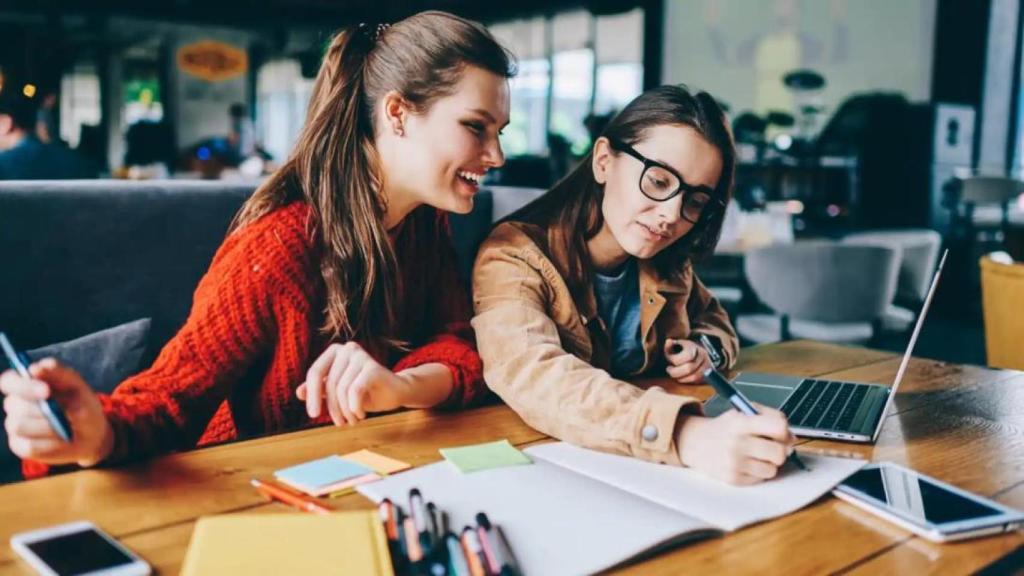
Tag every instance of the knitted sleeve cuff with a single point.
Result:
(461, 358)
(32, 469)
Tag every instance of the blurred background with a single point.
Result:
(860, 123)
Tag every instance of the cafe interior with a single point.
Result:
(856, 123)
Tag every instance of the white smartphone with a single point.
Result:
(925, 506)
(77, 548)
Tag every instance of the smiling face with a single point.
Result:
(635, 225)
(438, 156)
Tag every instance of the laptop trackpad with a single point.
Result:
(769, 396)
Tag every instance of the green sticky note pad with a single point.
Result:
(485, 456)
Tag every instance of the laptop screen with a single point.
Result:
(910, 345)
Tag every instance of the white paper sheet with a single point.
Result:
(577, 511)
(692, 493)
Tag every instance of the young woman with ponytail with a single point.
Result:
(335, 293)
(593, 284)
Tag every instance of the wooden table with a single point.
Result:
(961, 424)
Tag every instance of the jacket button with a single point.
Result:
(650, 433)
(650, 299)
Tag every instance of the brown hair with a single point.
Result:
(334, 165)
(573, 205)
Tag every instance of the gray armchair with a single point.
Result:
(820, 290)
(920, 250)
(508, 199)
(966, 196)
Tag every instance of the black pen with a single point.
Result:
(402, 562)
(713, 354)
(435, 524)
(438, 555)
(726, 390)
(49, 407)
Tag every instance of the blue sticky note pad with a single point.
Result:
(322, 472)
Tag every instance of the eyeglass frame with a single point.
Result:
(683, 186)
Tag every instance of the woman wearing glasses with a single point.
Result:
(593, 283)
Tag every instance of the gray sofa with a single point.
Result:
(80, 257)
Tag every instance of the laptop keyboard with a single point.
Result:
(823, 404)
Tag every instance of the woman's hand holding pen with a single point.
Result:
(687, 361)
(734, 447)
(352, 384)
(31, 436)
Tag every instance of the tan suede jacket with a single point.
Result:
(547, 356)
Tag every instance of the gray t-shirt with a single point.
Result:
(618, 303)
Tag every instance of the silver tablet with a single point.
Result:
(925, 506)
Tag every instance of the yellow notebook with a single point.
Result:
(308, 544)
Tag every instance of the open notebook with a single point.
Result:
(579, 511)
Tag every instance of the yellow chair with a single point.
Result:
(1002, 297)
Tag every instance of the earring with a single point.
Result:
(399, 131)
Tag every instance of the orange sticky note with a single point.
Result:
(380, 464)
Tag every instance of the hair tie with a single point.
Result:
(373, 31)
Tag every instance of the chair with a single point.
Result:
(920, 249)
(1002, 296)
(508, 199)
(490, 205)
(982, 192)
(820, 290)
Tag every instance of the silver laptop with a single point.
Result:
(822, 408)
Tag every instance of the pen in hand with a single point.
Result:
(49, 407)
(726, 390)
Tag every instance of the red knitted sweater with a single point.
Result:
(232, 370)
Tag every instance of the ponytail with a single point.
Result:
(342, 157)
(335, 169)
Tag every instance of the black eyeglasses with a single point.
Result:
(661, 183)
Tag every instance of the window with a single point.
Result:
(282, 97)
(572, 78)
(79, 103)
(617, 85)
(571, 65)
(619, 44)
(526, 132)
